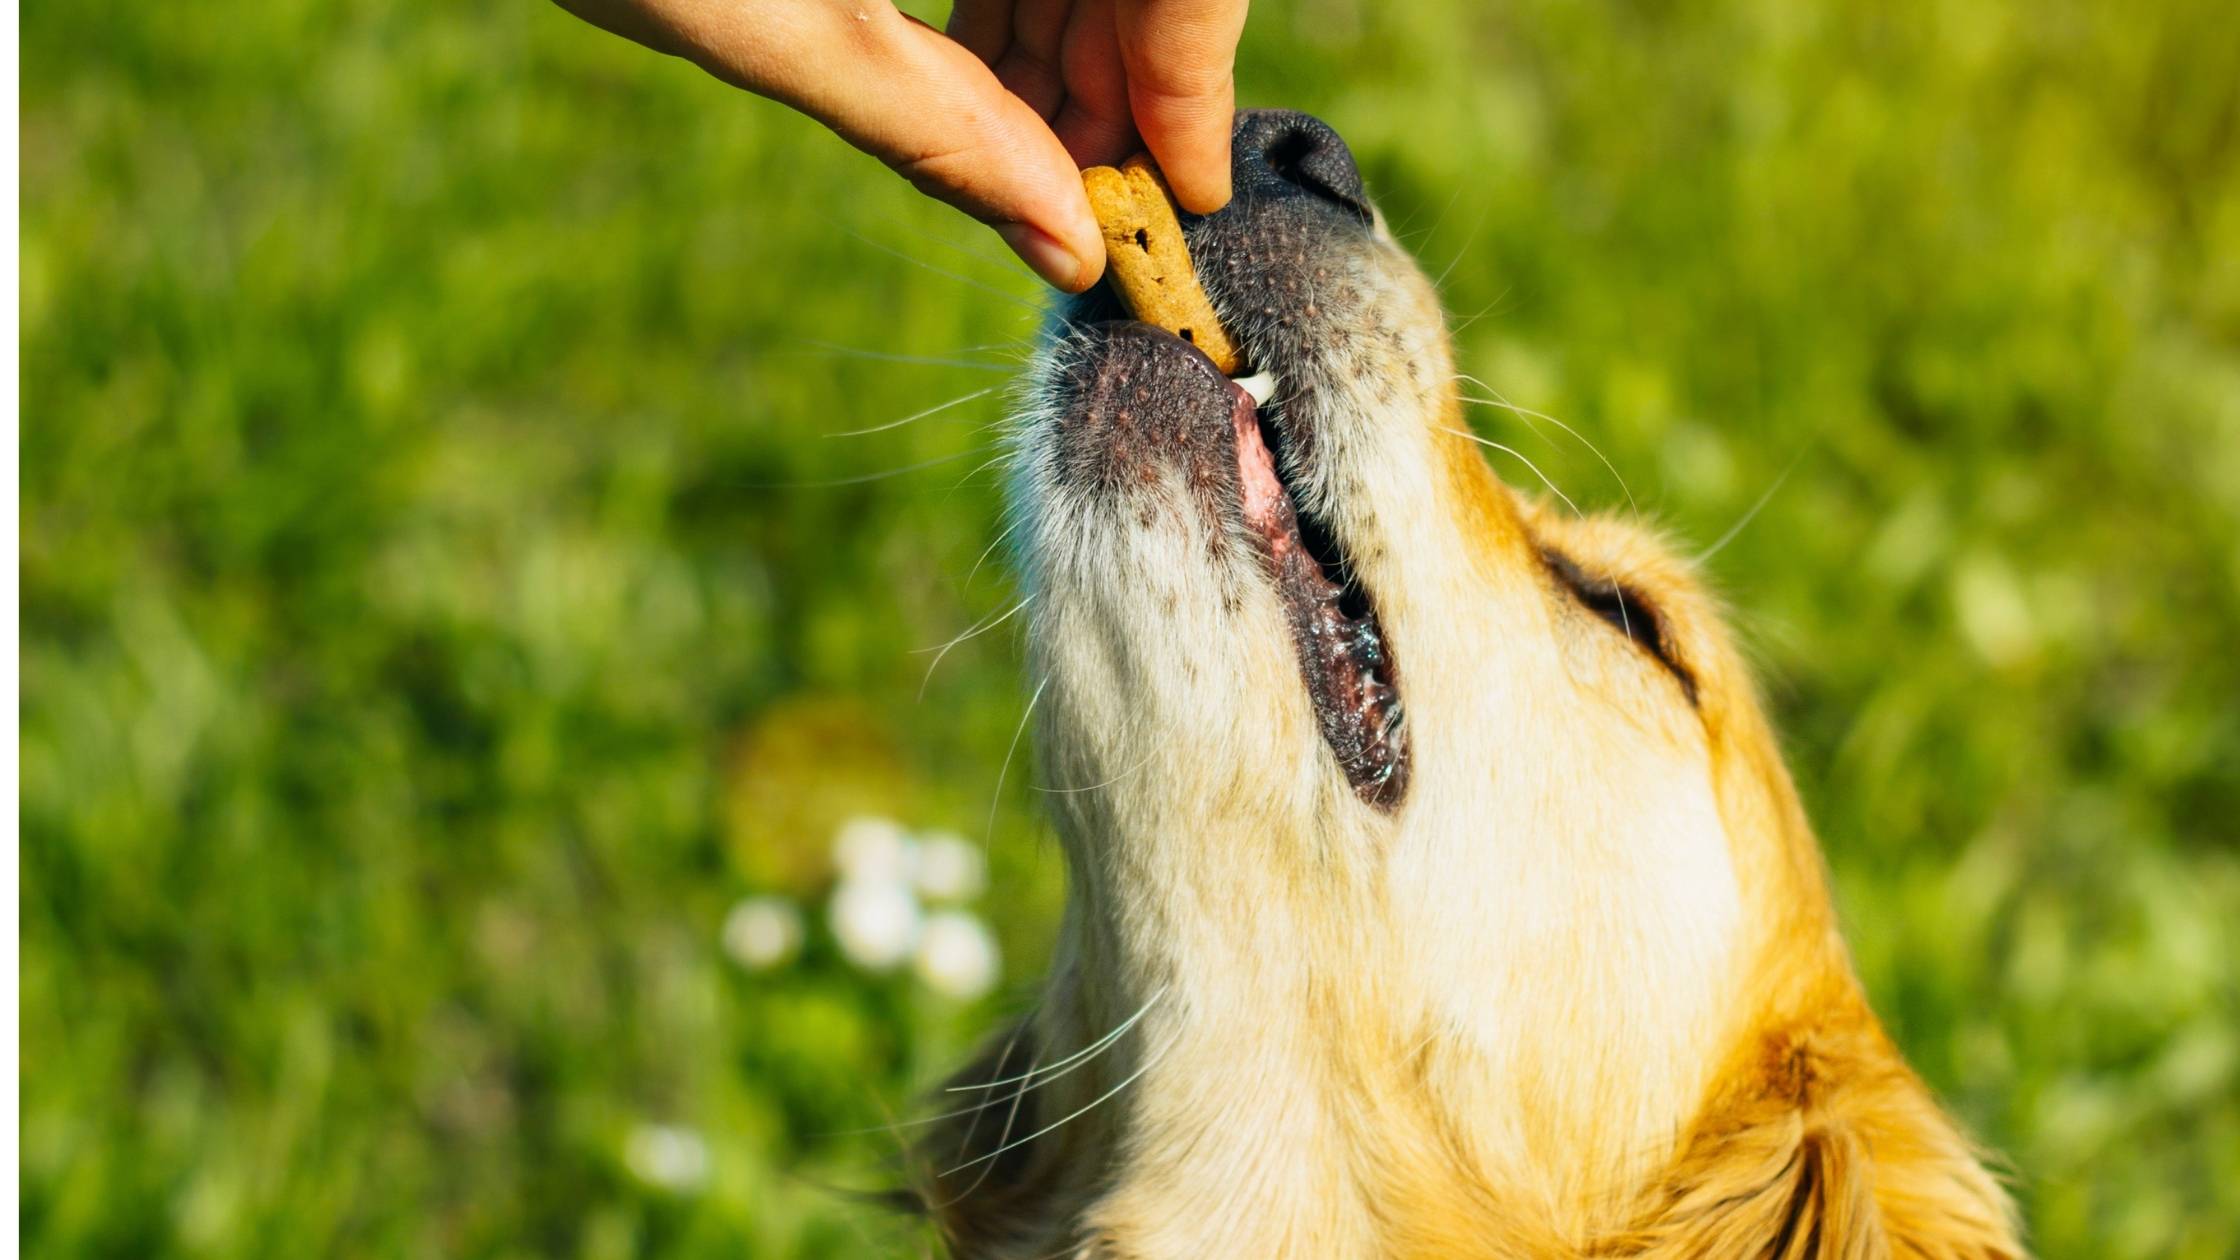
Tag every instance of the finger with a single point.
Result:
(1181, 61)
(1030, 66)
(982, 26)
(1094, 123)
(924, 105)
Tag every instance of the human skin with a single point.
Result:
(997, 115)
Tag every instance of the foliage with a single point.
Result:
(442, 597)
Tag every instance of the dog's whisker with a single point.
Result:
(1017, 350)
(1027, 1082)
(1085, 1109)
(1128, 773)
(1010, 1121)
(912, 418)
(1000, 460)
(919, 1122)
(1048, 1074)
(1003, 262)
(985, 625)
(1469, 239)
(964, 1144)
(1004, 455)
(1071, 1061)
(916, 360)
(1528, 415)
(1734, 531)
(1489, 308)
(945, 273)
(1401, 232)
(864, 478)
(990, 550)
(1520, 457)
(996, 802)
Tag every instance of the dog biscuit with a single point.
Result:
(1146, 261)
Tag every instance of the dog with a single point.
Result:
(1436, 886)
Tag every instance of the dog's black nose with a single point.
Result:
(1282, 152)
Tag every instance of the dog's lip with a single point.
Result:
(1344, 660)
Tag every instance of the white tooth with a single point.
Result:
(1260, 385)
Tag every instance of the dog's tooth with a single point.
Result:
(1261, 385)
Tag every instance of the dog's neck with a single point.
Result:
(1295, 1063)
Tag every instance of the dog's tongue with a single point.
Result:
(1262, 491)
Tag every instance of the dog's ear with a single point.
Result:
(1764, 1187)
(1830, 1149)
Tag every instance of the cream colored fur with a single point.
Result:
(1582, 994)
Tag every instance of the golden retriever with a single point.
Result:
(1437, 888)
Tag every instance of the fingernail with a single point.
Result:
(1041, 251)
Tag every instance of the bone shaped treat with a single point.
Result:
(1148, 264)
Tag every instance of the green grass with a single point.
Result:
(431, 624)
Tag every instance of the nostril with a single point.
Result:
(1288, 154)
(1280, 151)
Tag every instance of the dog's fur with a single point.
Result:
(1580, 993)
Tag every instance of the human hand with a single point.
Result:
(997, 116)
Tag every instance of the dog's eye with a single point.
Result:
(1624, 608)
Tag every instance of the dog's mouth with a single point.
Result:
(1137, 405)
(1344, 659)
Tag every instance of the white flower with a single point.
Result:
(873, 849)
(762, 932)
(950, 867)
(667, 1156)
(875, 921)
(957, 955)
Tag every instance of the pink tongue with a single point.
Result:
(1256, 467)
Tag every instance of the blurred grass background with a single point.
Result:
(442, 600)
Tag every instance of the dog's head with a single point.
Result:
(1313, 658)
(1414, 824)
